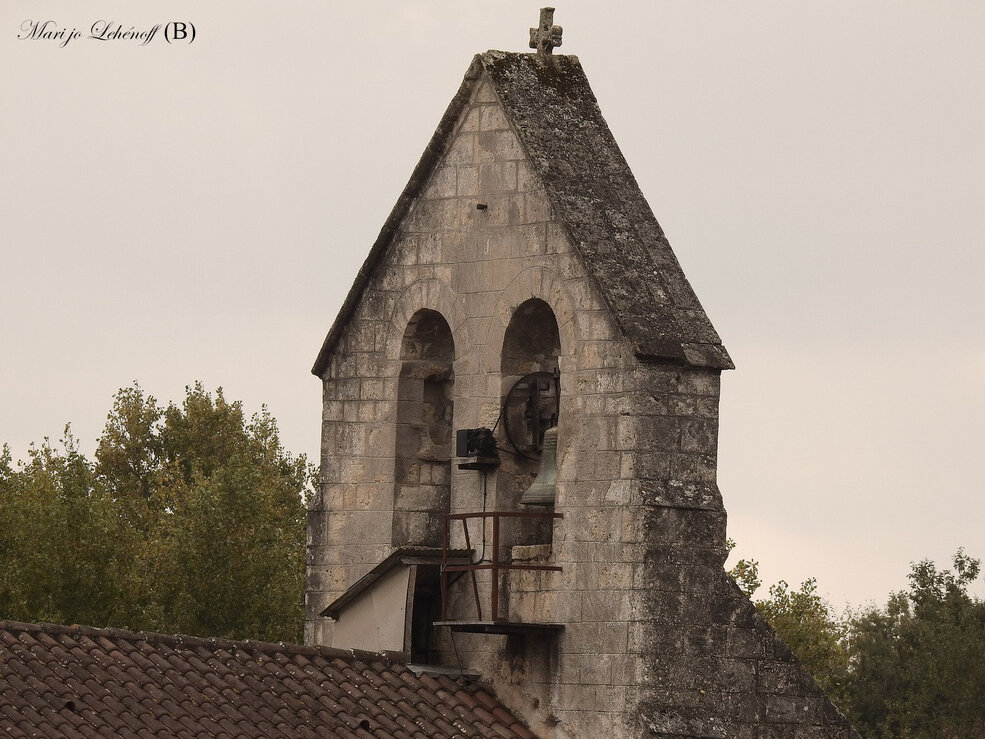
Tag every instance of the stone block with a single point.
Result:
(784, 709)
(372, 364)
(532, 554)
(497, 178)
(368, 497)
(605, 606)
(823, 732)
(429, 249)
(706, 640)
(746, 644)
(624, 670)
(612, 637)
(611, 381)
(531, 241)
(526, 179)
(567, 605)
(536, 208)
(461, 151)
(442, 183)
(621, 493)
(699, 436)
(352, 470)
(421, 498)
(781, 678)
(468, 181)
(331, 496)
(693, 467)
(332, 410)
(494, 146)
(594, 325)
(367, 412)
(470, 120)
(612, 354)
(331, 467)
(598, 671)
(616, 575)
(492, 119)
(573, 697)
(589, 357)
(544, 606)
(415, 528)
(503, 210)
(502, 244)
(673, 525)
(348, 389)
(371, 389)
(657, 434)
(745, 707)
(485, 94)
(569, 667)
(627, 433)
(613, 699)
(601, 466)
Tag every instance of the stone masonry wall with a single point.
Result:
(657, 640)
(474, 267)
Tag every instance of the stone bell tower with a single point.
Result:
(522, 291)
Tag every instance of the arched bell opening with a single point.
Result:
(422, 458)
(530, 405)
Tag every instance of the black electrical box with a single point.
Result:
(476, 449)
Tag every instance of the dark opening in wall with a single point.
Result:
(531, 345)
(426, 609)
(422, 458)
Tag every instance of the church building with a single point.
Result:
(519, 438)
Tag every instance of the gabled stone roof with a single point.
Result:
(549, 103)
(73, 681)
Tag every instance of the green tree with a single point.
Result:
(237, 507)
(918, 665)
(129, 456)
(913, 669)
(190, 520)
(745, 572)
(805, 622)
(61, 541)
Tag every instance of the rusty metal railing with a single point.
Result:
(495, 565)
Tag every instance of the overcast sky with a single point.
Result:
(182, 212)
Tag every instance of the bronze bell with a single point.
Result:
(544, 487)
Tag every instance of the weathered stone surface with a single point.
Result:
(523, 206)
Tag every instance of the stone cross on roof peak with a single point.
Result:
(546, 36)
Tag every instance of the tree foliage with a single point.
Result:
(805, 622)
(745, 572)
(59, 538)
(912, 669)
(918, 665)
(190, 519)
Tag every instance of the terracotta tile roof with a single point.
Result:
(77, 681)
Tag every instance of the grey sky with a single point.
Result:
(176, 213)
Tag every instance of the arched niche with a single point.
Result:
(531, 347)
(422, 457)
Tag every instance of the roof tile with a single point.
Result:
(58, 681)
